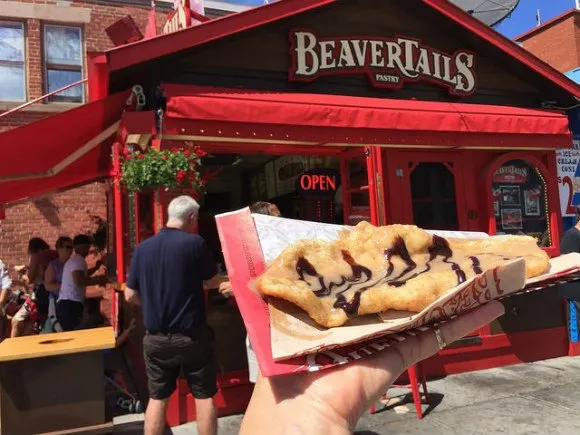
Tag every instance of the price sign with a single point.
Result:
(567, 161)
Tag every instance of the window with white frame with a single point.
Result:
(63, 62)
(12, 61)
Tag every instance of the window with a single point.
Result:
(63, 57)
(12, 55)
(520, 201)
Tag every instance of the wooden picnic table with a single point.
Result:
(54, 383)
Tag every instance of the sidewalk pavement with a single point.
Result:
(535, 398)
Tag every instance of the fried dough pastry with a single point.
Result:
(396, 267)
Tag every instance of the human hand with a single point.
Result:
(225, 289)
(333, 400)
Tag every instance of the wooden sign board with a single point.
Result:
(388, 62)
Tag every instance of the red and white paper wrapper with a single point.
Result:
(286, 340)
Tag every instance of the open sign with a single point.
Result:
(318, 182)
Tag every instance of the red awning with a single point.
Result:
(60, 151)
(213, 114)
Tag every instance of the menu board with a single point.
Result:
(287, 169)
(519, 199)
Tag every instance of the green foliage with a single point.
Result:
(169, 169)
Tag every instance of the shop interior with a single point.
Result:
(235, 181)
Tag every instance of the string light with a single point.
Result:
(544, 193)
(331, 210)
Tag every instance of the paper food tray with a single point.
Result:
(284, 338)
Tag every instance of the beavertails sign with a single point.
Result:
(388, 62)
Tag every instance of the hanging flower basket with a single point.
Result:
(166, 169)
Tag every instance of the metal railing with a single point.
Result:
(41, 98)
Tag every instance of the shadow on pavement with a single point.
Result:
(407, 400)
(133, 428)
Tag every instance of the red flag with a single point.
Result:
(151, 29)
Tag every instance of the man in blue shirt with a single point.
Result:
(166, 279)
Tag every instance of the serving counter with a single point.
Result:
(54, 383)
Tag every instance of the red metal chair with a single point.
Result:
(415, 373)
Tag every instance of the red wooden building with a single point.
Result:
(431, 118)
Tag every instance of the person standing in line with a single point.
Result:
(571, 243)
(33, 313)
(5, 289)
(165, 279)
(53, 279)
(225, 289)
(75, 278)
(5, 286)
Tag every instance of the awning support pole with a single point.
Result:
(119, 230)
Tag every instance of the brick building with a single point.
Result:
(556, 42)
(43, 46)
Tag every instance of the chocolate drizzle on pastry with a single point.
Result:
(361, 277)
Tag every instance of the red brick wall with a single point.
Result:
(557, 44)
(69, 212)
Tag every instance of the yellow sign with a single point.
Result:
(179, 19)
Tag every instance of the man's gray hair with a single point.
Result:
(182, 208)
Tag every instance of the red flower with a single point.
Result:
(180, 176)
(141, 156)
(165, 157)
(126, 152)
(174, 149)
(187, 153)
(200, 153)
(202, 182)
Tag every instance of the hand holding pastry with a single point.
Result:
(332, 401)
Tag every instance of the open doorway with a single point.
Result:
(302, 187)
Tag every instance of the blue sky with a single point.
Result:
(521, 20)
(524, 16)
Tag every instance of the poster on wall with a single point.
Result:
(510, 196)
(532, 201)
(567, 165)
(496, 208)
(511, 219)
